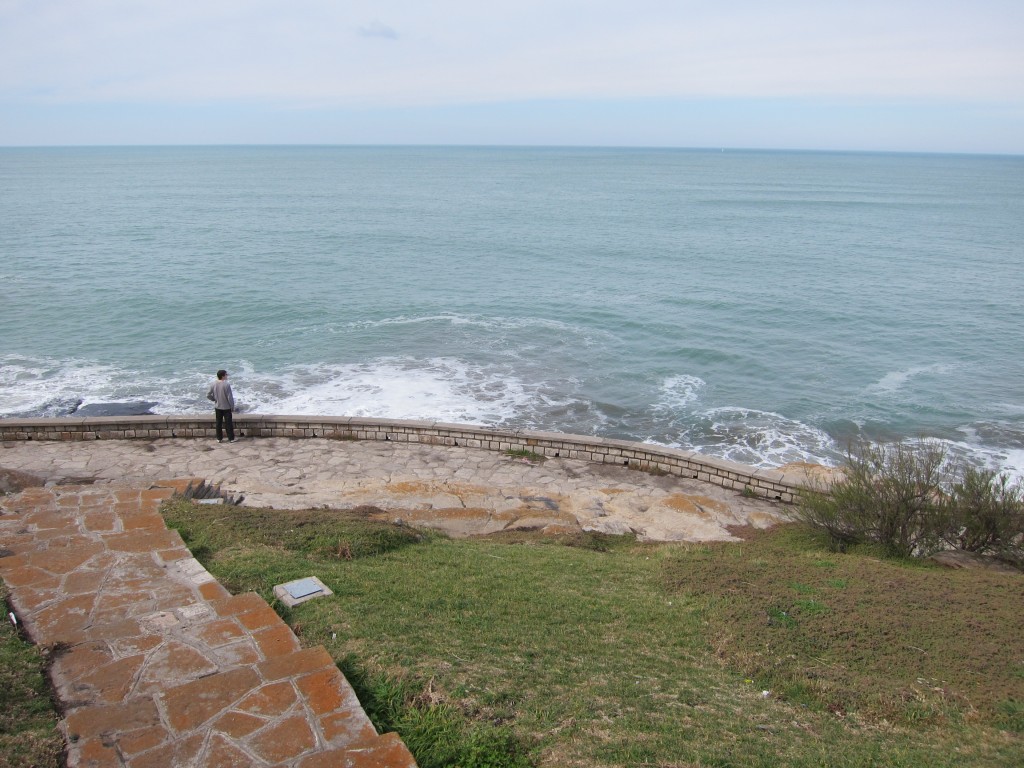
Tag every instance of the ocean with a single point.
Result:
(766, 307)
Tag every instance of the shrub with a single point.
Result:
(909, 499)
(985, 514)
(887, 494)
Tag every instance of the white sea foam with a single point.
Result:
(1013, 464)
(759, 438)
(678, 392)
(32, 384)
(895, 380)
(440, 388)
(487, 322)
(455, 390)
(1005, 457)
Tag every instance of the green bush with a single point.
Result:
(985, 514)
(909, 499)
(888, 494)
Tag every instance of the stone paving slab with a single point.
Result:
(154, 662)
(461, 491)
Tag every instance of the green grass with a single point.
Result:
(28, 721)
(522, 649)
(526, 453)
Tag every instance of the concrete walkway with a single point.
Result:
(155, 664)
(463, 491)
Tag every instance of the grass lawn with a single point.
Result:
(524, 650)
(28, 722)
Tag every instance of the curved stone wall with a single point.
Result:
(767, 483)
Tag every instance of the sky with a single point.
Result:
(874, 75)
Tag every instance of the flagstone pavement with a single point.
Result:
(154, 663)
(461, 491)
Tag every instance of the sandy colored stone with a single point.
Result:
(109, 683)
(259, 617)
(347, 725)
(30, 576)
(142, 739)
(182, 752)
(386, 751)
(284, 740)
(299, 663)
(128, 716)
(191, 705)
(269, 700)
(460, 490)
(220, 632)
(223, 754)
(322, 690)
(276, 641)
(172, 663)
(238, 724)
(94, 753)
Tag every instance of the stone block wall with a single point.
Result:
(767, 483)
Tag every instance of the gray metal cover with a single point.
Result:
(303, 588)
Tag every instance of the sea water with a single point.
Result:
(766, 307)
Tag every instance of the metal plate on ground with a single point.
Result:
(302, 588)
(299, 591)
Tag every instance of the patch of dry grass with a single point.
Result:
(853, 633)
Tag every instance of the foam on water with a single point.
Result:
(440, 388)
(758, 438)
(991, 445)
(454, 390)
(678, 392)
(33, 385)
(453, 318)
(896, 380)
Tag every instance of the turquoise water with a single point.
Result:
(761, 306)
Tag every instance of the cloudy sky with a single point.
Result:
(916, 75)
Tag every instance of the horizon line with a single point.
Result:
(454, 145)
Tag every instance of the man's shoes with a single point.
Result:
(231, 440)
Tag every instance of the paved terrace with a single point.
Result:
(154, 662)
(462, 491)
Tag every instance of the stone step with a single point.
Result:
(386, 751)
(154, 662)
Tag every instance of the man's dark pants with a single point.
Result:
(224, 420)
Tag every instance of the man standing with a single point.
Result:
(224, 404)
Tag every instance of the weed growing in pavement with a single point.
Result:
(525, 453)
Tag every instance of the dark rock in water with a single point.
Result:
(51, 409)
(137, 408)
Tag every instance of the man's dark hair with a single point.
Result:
(221, 373)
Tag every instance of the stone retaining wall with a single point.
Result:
(767, 483)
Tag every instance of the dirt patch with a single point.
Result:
(461, 522)
(695, 505)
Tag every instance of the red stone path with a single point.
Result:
(155, 664)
